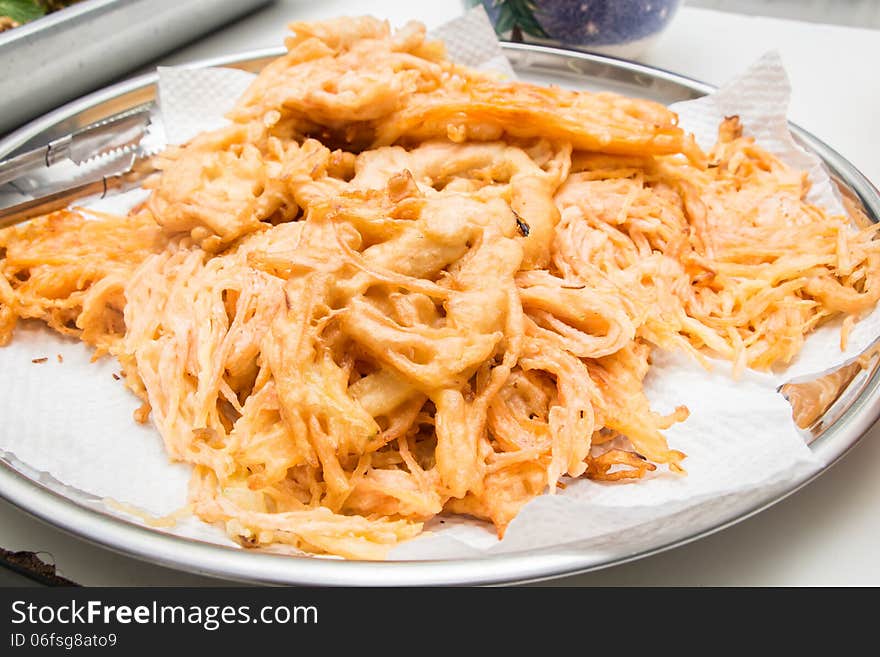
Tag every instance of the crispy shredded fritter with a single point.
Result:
(394, 287)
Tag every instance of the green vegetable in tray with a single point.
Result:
(18, 12)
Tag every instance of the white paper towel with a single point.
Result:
(760, 97)
(73, 420)
(194, 100)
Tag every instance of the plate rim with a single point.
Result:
(132, 539)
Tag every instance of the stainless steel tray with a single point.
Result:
(837, 431)
(79, 48)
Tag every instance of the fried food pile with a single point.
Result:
(393, 287)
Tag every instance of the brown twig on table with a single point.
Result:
(30, 565)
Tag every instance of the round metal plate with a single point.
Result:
(71, 510)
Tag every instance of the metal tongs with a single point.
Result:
(120, 140)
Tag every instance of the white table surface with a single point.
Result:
(823, 535)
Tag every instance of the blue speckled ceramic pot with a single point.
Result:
(618, 27)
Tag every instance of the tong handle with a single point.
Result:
(61, 199)
(50, 203)
(29, 161)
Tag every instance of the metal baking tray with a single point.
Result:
(79, 48)
(843, 424)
